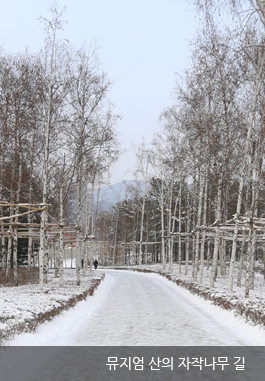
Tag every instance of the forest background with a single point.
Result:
(203, 168)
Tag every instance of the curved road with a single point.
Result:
(137, 309)
(146, 309)
(134, 310)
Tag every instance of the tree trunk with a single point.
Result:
(202, 185)
(180, 197)
(188, 228)
(249, 256)
(204, 223)
(15, 241)
(259, 76)
(10, 237)
(142, 226)
(61, 225)
(162, 227)
(217, 232)
(78, 224)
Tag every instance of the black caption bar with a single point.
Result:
(131, 363)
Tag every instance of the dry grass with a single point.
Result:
(25, 276)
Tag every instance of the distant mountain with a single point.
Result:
(111, 194)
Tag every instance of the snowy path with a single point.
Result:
(144, 309)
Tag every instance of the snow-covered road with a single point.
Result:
(132, 308)
(149, 310)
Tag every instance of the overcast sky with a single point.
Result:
(143, 43)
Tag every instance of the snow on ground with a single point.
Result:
(131, 308)
(255, 303)
(22, 303)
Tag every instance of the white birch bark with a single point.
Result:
(9, 251)
(208, 254)
(253, 247)
(134, 252)
(169, 241)
(193, 247)
(180, 210)
(85, 256)
(204, 224)
(202, 182)
(108, 256)
(10, 237)
(217, 238)
(61, 272)
(115, 238)
(15, 246)
(15, 240)
(78, 222)
(3, 243)
(257, 171)
(172, 226)
(241, 261)
(162, 226)
(61, 226)
(143, 161)
(56, 256)
(43, 250)
(249, 255)
(188, 238)
(142, 226)
(30, 240)
(259, 76)
(222, 257)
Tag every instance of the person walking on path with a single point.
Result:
(95, 263)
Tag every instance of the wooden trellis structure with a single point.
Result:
(11, 229)
(251, 231)
(226, 232)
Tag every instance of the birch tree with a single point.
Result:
(51, 26)
(142, 169)
(89, 86)
(259, 75)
